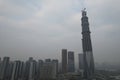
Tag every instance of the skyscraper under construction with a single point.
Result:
(87, 47)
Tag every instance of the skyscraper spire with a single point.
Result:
(87, 46)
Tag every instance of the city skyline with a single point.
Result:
(40, 29)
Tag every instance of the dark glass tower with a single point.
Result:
(71, 62)
(87, 47)
(64, 61)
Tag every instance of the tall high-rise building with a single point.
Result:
(87, 46)
(4, 68)
(81, 64)
(27, 68)
(48, 71)
(56, 63)
(16, 73)
(64, 61)
(22, 70)
(0, 65)
(71, 62)
(9, 70)
(32, 70)
(39, 65)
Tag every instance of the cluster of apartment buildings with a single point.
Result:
(48, 69)
(29, 70)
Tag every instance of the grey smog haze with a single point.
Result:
(41, 28)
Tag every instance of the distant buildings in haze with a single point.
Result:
(29, 70)
(68, 62)
(49, 69)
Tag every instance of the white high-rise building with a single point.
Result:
(57, 66)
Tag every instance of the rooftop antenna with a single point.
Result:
(84, 12)
(83, 9)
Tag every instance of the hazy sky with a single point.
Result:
(41, 28)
